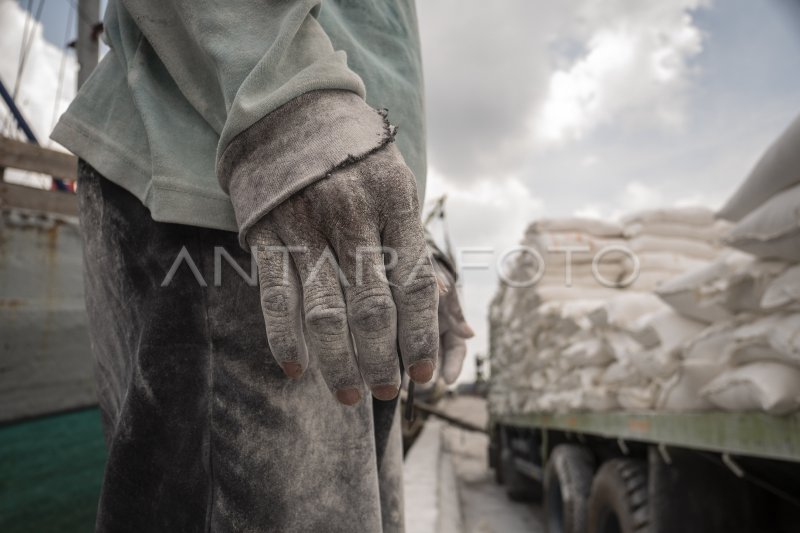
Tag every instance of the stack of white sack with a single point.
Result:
(583, 330)
(748, 358)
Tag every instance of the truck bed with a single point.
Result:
(750, 434)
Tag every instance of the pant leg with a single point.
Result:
(152, 361)
(204, 430)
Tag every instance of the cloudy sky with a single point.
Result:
(542, 108)
(596, 107)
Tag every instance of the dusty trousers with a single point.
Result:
(204, 431)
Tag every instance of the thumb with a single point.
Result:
(454, 351)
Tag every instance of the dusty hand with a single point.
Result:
(453, 328)
(334, 286)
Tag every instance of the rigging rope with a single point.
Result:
(28, 34)
(61, 70)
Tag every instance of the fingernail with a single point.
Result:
(348, 396)
(421, 371)
(468, 330)
(385, 392)
(442, 286)
(293, 370)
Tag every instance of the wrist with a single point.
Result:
(294, 146)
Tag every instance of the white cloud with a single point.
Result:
(488, 211)
(636, 67)
(482, 213)
(486, 67)
(638, 196)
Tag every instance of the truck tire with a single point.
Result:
(519, 487)
(619, 499)
(567, 484)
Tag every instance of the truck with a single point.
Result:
(652, 472)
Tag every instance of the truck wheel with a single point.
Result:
(519, 487)
(567, 484)
(618, 501)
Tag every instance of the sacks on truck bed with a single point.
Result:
(783, 292)
(665, 328)
(711, 233)
(695, 216)
(682, 391)
(745, 288)
(590, 226)
(559, 273)
(657, 268)
(624, 310)
(584, 247)
(772, 230)
(771, 338)
(696, 294)
(735, 283)
(777, 170)
(687, 247)
(588, 347)
(641, 398)
(710, 344)
(661, 335)
(762, 386)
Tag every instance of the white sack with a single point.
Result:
(711, 234)
(665, 261)
(591, 226)
(700, 294)
(637, 398)
(777, 170)
(564, 294)
(771, 338)
(622, 345)
(651, 281)
(551, 246)
(625, 310)
(598, 399)
(744, 290)
(665, 328)
(710, 344)
(622, 374)
(783, 292)
(694, 216)
(773, 230)
(657, 364)
(763, 386)
(590, 352)
(582, 274)
(681, 392)
(687, 247)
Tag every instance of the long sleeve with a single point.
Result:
(240, 64)
(237, 61)
(211, 113)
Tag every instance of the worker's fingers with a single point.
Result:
(327, 331)
(371, 314)
(414, 286)
(451, 314)
(452, 353)
(281, 301)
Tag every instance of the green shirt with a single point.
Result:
(183, 78)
